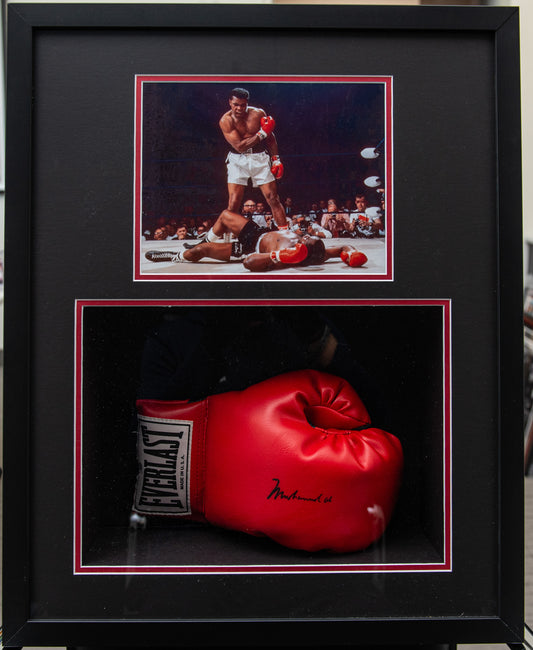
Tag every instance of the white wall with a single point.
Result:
(526, 48)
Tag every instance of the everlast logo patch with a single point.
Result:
(163, 450)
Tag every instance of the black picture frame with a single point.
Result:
(70, 81)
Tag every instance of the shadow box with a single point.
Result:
(263, 326)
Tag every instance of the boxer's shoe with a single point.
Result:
(162, 256)
(201, 238)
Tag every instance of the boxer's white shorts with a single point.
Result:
(242, 166)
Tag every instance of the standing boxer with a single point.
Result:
(254, 153)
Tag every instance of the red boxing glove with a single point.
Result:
(277, 167)
(293, 458)
(354, 258)
(268, 124)
(290, 255)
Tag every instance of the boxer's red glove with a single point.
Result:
(354, 258)
(290, 255)
(294, 458)
(277, 167)
(268, 124)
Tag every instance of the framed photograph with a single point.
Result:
(292, 428)
(183, 187)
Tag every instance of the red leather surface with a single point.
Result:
(283, 458)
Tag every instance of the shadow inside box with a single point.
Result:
(114, 344)
(172, 545)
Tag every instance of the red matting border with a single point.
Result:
(137, 190)
(444, 566)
